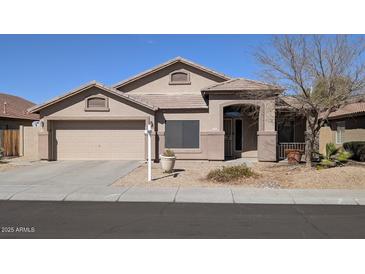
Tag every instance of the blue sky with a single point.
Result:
(40, 67)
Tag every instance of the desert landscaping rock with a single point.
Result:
(271, 175)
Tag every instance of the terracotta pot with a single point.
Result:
(294, 156)
(167, 163)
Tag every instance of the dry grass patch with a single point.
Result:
(231, 174)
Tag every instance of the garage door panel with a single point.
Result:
(100, 140)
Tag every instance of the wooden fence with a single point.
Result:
(9, 141)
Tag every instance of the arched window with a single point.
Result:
(96, 103)
(179, 78)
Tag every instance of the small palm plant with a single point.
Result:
(331, 151)
(334, 156)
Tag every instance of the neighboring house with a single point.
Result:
(196, 111)
(344, 125)
(13, 112)
(13, 115)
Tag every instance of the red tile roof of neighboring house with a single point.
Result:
(173, 101)
(349, 109)
(15, 107)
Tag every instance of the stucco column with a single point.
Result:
(43, 141)
(267, 136)
(213, 144)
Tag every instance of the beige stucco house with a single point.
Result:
(196, 111)
(347, 124)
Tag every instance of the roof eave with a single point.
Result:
(18, 117)
(182, 108)
(346, 115)
(225, 91)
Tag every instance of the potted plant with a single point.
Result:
(168, 160)
(294, 156)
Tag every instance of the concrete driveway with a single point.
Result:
(68, 173)
(56, 180)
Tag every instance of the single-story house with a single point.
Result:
(196, 111)
(13, 112)
(13, 117)
(346, 124)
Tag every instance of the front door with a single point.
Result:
(238, 130)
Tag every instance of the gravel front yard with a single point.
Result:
(272, 175)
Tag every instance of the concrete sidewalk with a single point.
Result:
(228, 195)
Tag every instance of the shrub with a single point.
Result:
(357, 149)
(326, 163)
(1, 153)
(343, 156)
(331, 150)
(230, 173)
(168, 153)
(334, 157)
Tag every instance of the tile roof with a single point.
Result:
(173, 101)
(287, 101)
(241, 84)
(356, 105)
(167, 64)
(116, 92)
(15, 107)
(349, 109)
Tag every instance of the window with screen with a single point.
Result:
(182, 134)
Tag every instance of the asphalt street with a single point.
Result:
(29, 219)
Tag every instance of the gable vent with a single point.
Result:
(96, 103)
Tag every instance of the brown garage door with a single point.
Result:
(99, 140)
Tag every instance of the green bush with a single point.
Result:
(326, 163)
(343, 156)
(230, 173)
(357, 149)
(331, 150)
(334, 157)
(1, 153)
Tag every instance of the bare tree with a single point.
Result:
(320, 71)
